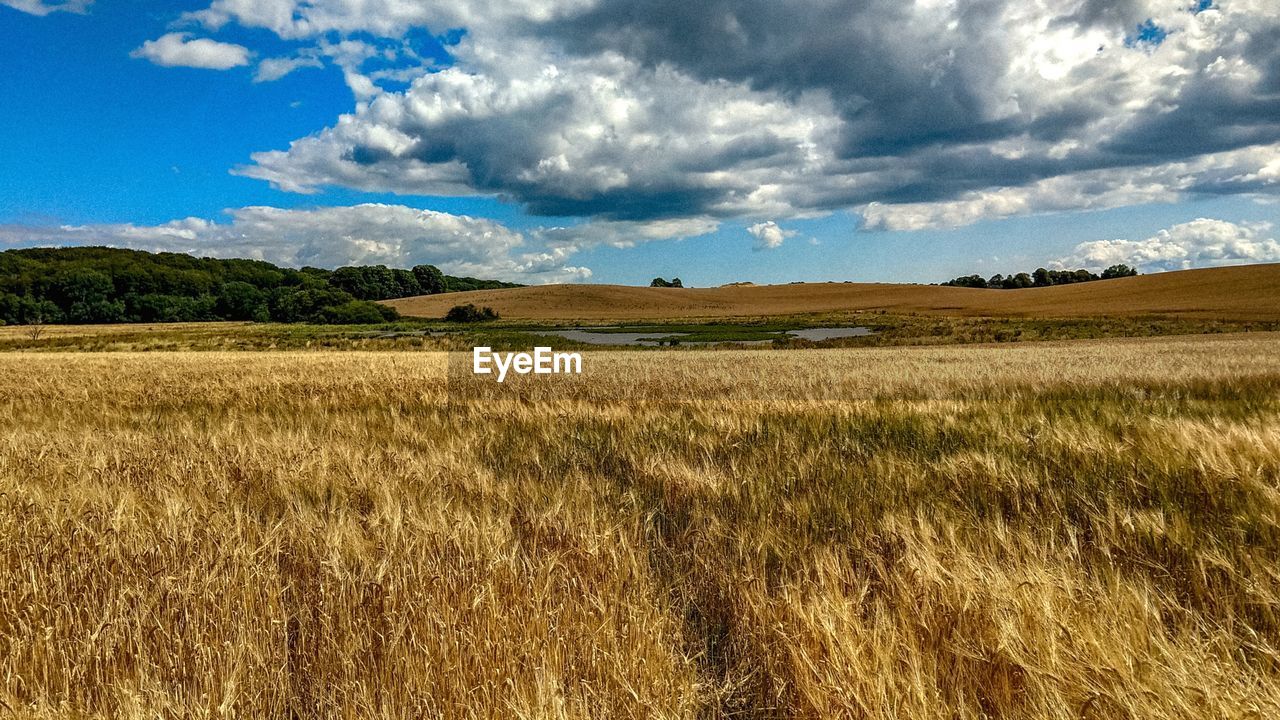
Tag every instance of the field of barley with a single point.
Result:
(1085, 529)
(1241, 293)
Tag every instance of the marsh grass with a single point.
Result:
(437, 336)
(1070, 530)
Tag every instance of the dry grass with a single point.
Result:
(12, 332)
(1080, 530)
(206, 336)
(1236, 293)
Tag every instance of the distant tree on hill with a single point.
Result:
(319, 273)
(1042, 277)
(242, 301)
(375, 282)
(1118, 271)
(290, 305)
(659, 282)
(969, 281)
(1021, 280)
(430, 279)
(464, 284)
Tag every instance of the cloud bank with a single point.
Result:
(44, 7)
(654, 119)
(393, 235)
(917, 114)
(1199, 243)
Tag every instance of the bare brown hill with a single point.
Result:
(1250, 292)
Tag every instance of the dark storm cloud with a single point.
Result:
(1105, 13)
(897, 81)
(900, 90)
(632, 204)
(1221, 108)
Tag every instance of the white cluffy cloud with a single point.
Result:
(180, 50)
(331, 237)
(272, 69)
(624, 233)
(1199, 243)
(43, 7)
(769, 236)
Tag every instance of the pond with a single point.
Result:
(820, 334)
(593, 337)
(607, 336)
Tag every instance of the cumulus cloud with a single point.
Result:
(1235, 171)
(915, 113)
(596, 137)
(180, 50)
(1199, 243)
(624, 233)
(334, 236)
(769, 236)
(921, 113)
(44, 7)
(272, 69)
(302, 19)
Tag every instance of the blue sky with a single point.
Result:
(574, 141)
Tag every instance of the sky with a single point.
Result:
(613, 141)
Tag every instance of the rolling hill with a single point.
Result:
(1250, 292)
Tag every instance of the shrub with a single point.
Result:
(357, 312)
(469, 313)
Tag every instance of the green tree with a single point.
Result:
(81, 286)
(406, 283)
(97, 311)
(293, 305)
(376, 282)
(240, 301)
(968, 281)
(98, 284)
(1118, 271)
(430, 280)
(357, 312)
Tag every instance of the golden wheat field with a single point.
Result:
(1073, 530)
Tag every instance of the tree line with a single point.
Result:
(111, 285)
(660, 282)
(1040, 278)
